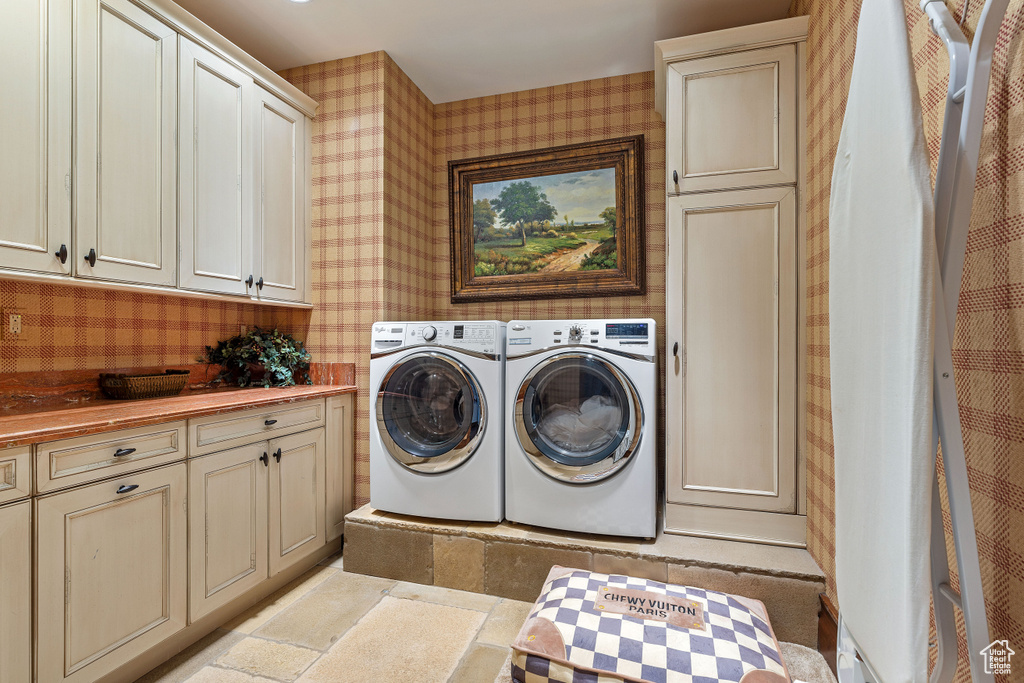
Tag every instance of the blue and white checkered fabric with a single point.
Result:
(735, 641)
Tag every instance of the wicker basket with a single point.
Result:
(170, 383)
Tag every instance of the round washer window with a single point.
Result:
(430, 412)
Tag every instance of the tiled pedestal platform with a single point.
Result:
(511, 560)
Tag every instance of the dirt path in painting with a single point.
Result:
(569, 260)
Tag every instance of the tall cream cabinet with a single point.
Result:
(733, 103)
(35, 136)
(163, 133)
(16, 591)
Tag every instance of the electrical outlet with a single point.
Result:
(14, 324)
(242, 329)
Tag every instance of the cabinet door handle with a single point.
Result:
(278, 455)
(120, 452)
(127, 488)
(259, 283)
(675, 177)
(62, 254)
(270, 422)
(265, 459)
(248, 283)
(91, 257)
(675, 349)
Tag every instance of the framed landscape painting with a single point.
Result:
(556, 222)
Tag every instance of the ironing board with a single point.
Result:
(970, 69)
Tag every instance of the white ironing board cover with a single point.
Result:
(881, 261)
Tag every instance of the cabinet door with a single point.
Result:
(111, 572)
(296, 509)
(16, 592)
(214, 172)
(732, 120)
(340, 474)
(126, 187)
(35, 135)
(227, 513)
(731, 390)
(282, 237)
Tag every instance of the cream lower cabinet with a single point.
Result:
(730, 387)
(254, 511)
(296, 503)
(111, 572)
(16, 592)
(227, 526)
(340, 476)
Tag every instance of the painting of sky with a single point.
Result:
(581, 195)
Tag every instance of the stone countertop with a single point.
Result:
(106, 415)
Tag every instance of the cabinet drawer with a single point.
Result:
(218, 432)
(69, 462)
(15, 479)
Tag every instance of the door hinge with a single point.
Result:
(67, 182)
(252, 561)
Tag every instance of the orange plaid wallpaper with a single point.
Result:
(82, 328)
(989, 342)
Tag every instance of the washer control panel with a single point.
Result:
(479, 336)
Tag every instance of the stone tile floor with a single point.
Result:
(329, 626)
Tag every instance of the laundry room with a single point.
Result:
(517, 319)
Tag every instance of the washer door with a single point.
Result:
(578, 417)
(430, 413)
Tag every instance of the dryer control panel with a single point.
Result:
(635, 335)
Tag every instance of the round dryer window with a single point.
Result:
(578, 417)
(430, 413)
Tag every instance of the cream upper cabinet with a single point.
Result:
(732, 120)
(296, 507)
(126, 184)
(731, 386)
(111, 572)
(16, 592)
(282, 239)
(227, 526)
(215, 172)
(35, 136)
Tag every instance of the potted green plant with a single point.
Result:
(260, 357)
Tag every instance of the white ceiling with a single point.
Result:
(457, 49)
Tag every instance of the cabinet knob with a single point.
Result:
(278, 455)
(675, 349)
(91, 257)
(121, 452)
(62, 254)
(675, 177)
(248, 283)
(265, 459)
(259, 283)
(127, 488)
(270, 422)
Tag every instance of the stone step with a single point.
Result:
(511, 561)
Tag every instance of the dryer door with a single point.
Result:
(430, 413)
(578, 417)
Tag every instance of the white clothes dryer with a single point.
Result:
(580, 446)
(436, 424)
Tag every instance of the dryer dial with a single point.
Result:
(429, 333)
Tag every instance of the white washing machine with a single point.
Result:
(436, 427)
(581, 399)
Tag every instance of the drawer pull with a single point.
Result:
(127, 488)
(278, 455)
(121, 452)
(265, 459)
(270, 422)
